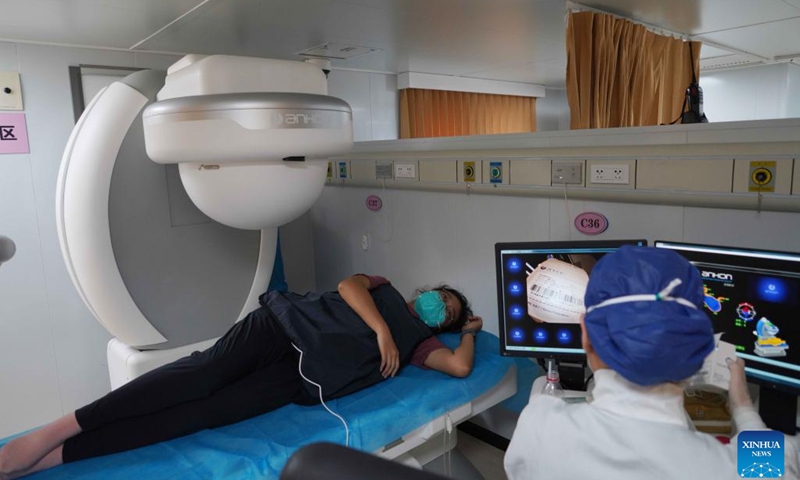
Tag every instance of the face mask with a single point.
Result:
(431, 308)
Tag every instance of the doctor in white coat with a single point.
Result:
(644, 332)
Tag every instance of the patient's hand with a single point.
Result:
(473, 322)
(390, 356)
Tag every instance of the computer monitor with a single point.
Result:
(536, 320)
(753, 299)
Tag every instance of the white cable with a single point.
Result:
(444, 453)
(319, 387)
(569, 215)
(448, 435)
(387, 216)
(387, 221)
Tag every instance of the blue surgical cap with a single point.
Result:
(648, 342)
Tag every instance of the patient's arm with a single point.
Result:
(355, 291)
(458, 362)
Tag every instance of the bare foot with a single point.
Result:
(52, 459)
(22, 454)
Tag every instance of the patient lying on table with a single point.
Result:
(294, 349)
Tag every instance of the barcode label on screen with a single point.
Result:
(552, 292)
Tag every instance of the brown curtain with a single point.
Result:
(621, 75)
(440, 113)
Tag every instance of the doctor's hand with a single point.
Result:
(473, 322)
(390, 356)
(738, 395)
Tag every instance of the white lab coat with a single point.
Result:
(628, 432)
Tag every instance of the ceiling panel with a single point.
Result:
(512, 40)
(450, 37)
(207, 37)
(769, 40)
(278, 28)
(695, 17)
(109, 23)
(707, 51)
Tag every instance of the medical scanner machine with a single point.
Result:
(167, 254)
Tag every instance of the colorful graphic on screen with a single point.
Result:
(746, 312)
(711, 302)
(756, 299)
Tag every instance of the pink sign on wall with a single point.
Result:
(13, 133)
(591, 223)
(374, 203)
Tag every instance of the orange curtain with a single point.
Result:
(440, 113)
(619, 74)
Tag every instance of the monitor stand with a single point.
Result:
(778, 410)
(573, 375)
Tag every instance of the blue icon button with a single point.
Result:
(517, 335)
(540, 335)
(514, 265)
(515, 289)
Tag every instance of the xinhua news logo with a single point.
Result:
(760, 454)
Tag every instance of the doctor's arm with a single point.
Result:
(355, 291)
(458, 362)
(744, 414)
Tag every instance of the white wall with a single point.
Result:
(52, 351)
(373, 98)
(424, 238)
(754, 93)
(793, 91)
(552, 111)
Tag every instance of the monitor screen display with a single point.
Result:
(537, 316)
(753, 299)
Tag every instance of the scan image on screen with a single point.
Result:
(753, 299)
(540, 289)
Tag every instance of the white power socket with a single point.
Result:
(405, 170)
(618, 174)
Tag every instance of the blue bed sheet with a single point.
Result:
(259, 447)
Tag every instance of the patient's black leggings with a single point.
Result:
(251, 370)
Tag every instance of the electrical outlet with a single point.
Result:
(405, 170)
(570, 173)
(618, 174)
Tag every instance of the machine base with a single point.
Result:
(126, 363)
